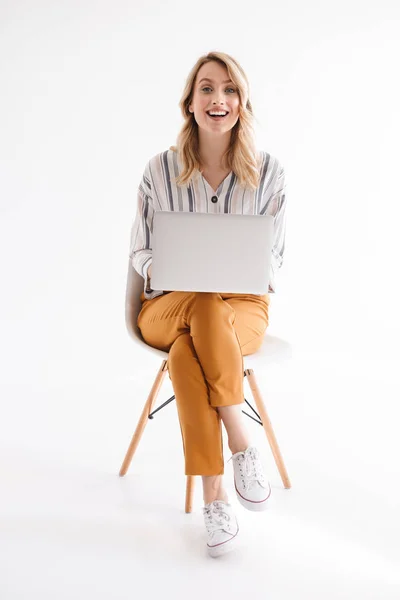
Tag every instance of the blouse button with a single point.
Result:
(214, 199)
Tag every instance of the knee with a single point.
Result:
(181, 347)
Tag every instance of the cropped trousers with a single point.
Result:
(206, 335)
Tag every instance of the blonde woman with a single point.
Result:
(216, 168)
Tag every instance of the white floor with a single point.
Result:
(72, 528)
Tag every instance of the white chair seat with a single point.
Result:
(272, 350)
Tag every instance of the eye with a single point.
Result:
(208, 88)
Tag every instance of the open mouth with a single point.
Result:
(218, 117)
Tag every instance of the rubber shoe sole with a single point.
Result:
(223, 547)
(255, 505)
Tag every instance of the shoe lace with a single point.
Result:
(215, 516)
(252, 469)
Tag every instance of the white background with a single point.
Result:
(89, 92)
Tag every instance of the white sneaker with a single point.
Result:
(222, 527)
(252, 488)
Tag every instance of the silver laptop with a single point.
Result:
(211, 252)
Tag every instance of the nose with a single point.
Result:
(218, 100)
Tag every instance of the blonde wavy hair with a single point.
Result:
(241, 156)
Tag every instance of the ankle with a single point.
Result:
(234, 448)
(221, 496)
(213, 488)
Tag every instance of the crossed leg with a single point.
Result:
(207, 335)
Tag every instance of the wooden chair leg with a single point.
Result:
(268, 427)
(190, 481)
(144, 417)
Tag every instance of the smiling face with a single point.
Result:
(214, 91)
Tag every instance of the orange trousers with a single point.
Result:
(206, 335)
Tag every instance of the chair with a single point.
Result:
(273, 349)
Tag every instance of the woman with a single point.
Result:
(214, 168)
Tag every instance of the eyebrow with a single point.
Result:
(212, 81)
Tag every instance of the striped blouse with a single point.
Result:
(157, 191)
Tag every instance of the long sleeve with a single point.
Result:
(140, 251)
(274, 203)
